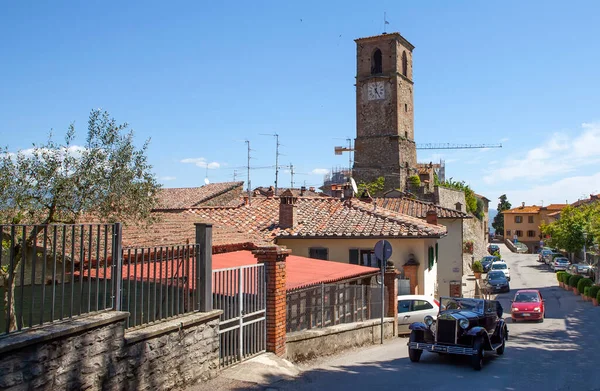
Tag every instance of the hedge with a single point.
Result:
(574, 280)
(584, 282)
(594, 290)
(560, 275)
(566, 277)
(586, 291)
(598, 297)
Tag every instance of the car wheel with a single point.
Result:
(513, 320)
(477, 358)
(414, 354)
(500, 350)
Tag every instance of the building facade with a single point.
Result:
(523, 223)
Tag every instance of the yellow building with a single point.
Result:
(523, 223)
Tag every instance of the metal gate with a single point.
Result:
(241, 293)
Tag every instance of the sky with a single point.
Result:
(200, 78)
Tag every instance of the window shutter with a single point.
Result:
(430, 257)
(354, 257)
(436, 252)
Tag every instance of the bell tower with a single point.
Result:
(384, 144)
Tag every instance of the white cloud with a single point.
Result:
(503, 140)
(560, 154)
(320, 171)
(167, 178)
(201, 162)
(567, 189)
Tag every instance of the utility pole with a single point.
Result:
(234, 175)
(276, 157)
(292, 173)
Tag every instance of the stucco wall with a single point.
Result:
(95, 353)
(450, 265)
(401, 249)
(308, 344)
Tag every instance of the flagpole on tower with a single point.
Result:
(385, 22)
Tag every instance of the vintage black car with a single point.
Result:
(469, 327)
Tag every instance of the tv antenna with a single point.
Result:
(276, 156)
(249, 186)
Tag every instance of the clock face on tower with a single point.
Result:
(375, 90)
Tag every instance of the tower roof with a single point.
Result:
(394, 35)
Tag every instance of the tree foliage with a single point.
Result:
(108, 178)
(374, 188)
(498, 222)
(567, 233)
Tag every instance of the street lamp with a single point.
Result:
(584, 249)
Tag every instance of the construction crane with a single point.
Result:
(339, 150)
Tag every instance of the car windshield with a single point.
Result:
(499, 266)
(527, 297)
(562, 260)
(495, 275)
(455, 303)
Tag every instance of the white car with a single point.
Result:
(414, 308)
(502, 266)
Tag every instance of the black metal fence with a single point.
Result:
(55, 272)
(159, 282)
(332, 304)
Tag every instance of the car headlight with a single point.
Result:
(514, 309)
(428, 320)
(463, 323)
(537, 309)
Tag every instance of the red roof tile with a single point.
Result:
(301, 272)
(523, 209)
(417, 208)
(189, 197)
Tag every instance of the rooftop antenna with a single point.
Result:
(292, 173)
(249, 186)
(206, 181)
(385, 22)
(234, 175)
(276, 157)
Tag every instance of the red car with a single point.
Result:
(528, 304)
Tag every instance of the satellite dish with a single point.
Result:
(206, 181)
(354, 188)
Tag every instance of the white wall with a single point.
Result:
(450, 265)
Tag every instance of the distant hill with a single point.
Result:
(492, 214)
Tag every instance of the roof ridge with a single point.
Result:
(396, 216)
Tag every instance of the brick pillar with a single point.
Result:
(274, 259)
(391, 284)
(411, 271)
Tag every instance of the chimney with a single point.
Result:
(348, 192)
(270, 192)
(312, 188)
(431, 217)
(287, 210)
(246, 200)
(302, 190)
(522, 204)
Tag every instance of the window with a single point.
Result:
(431, 258)
(519, 233)
(508, 232)
(518, 219)
(458, 206)
(404, 306)
(353, 257)
(420, 305)
(531, 234)
(405, 108)
(530, 219)
(318, 253)
(404, 64)
(436, 252)
(376, 66)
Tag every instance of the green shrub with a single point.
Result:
(594, 290)
(574, 280)
(586, 291)
(583, 283)
(560, 275)
(477, 267)
(414, 180)
(497, 254)
(598, 296)
(565, 278)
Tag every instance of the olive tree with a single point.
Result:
(106, 179)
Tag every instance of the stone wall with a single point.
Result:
(474, 231)
(95, 353)
(308, 344)
(449, 197)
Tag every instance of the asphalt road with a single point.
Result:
(562, 353)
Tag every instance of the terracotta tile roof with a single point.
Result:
(423, 170)
(593, 197)
(264, 191)
(523, 209)
(177, 227)
(189, 197)
(556, 206)
(482, 197)
(301, 272)
(418, 209)
(320, 217)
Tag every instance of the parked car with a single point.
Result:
(528, 304)
(487, 261)
(581, 269)
(414, 308)
(548, 259)
(543, 253)
(496, 282)
(503, 267)
(493, 248)
(521, 248)
(559, 263)
(464, 327)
